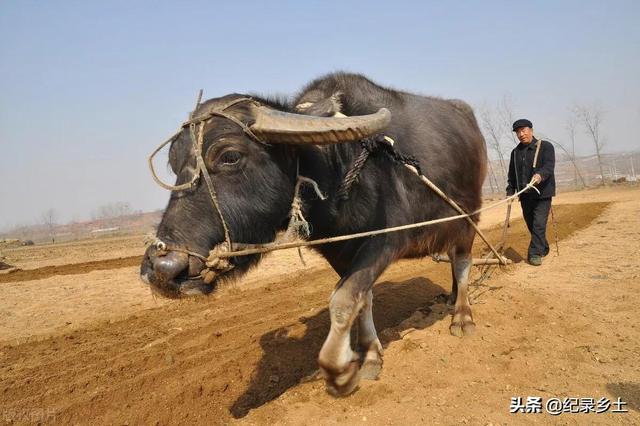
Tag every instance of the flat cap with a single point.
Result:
(523, 122)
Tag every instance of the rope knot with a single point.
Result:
(160, 246)
(298, 226)
(216, 265)
(372, 143)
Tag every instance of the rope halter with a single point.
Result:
(195, 125)
(218, 259)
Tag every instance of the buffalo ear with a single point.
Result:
(313, 103)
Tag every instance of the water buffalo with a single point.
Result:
(252, 149)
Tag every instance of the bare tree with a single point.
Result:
(492, 178)
(494, 131)
(49, 218)
(505, 112)
(571, 127)
(112, 210)
(591, 118)
(571, 157)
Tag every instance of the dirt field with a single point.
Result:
(82, 341)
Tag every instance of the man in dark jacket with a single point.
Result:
(533, 160)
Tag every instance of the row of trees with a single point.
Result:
(496, 125)
(111, 211)
(49, 218)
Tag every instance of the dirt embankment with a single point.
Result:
(20, 275)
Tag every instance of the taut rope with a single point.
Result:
(264, 248)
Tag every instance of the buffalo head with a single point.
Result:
(249, 153)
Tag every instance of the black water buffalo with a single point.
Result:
(251, 150)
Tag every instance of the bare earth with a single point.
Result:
(84, 341)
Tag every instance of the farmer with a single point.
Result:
(533, 160)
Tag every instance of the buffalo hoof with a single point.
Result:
(462, 329)
(371, 361)
(342, 383)
(371, 369)
(462, 323)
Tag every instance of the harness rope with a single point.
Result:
(352, 175)
(369, 146)
(263, 248)
(218, 261)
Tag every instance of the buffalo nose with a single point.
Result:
(170, 265)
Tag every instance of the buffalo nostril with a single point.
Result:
(196, 266)
(170, 266)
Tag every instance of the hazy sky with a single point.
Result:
(89, 88)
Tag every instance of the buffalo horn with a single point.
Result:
(281, 127)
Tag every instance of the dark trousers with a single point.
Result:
(536, 214)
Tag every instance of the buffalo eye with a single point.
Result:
(221, 157)
(229, 158)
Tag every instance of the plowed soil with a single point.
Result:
(95, 348)
(19, 275)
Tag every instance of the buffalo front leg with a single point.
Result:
(368, 342)
(338, 362)
(462, 322)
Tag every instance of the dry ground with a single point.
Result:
(82, 341)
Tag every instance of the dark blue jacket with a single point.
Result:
(521, 169)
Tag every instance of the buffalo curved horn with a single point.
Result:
(282, 127)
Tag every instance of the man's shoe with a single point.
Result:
(535, 260)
